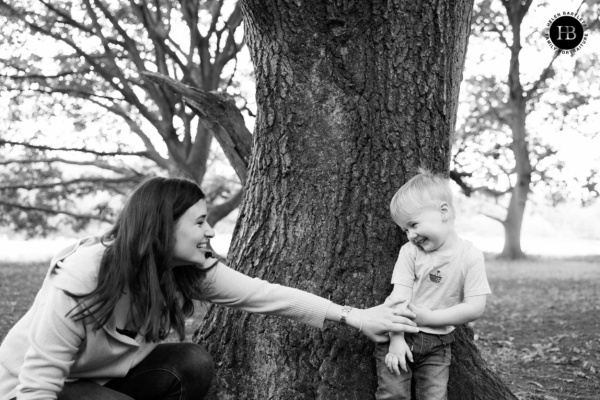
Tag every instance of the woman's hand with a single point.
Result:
(424, 314)
(378, 321)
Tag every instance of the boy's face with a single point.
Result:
(429, 227)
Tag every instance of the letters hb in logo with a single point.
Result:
(566, 33)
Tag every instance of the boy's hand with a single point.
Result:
(424, 314)
(398, 354)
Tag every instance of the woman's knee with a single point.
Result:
(189, 357)
(196, 368)
(198, 358)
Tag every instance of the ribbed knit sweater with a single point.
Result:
(45, 348)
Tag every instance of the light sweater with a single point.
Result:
(45, 348)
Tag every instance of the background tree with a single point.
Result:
(501, 150)
(86, 71)
(352, 98)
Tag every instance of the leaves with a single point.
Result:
(550, 94)
(71, 77)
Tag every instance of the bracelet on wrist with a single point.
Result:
(345, 311)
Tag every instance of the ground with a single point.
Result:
(540, 329)
(539, 332)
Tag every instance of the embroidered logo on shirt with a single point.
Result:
(435, 278)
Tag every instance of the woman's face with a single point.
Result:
(192, 234)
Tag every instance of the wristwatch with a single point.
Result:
(345, 311)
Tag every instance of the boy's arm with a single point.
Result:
(400, 292)
(469, 310)
(398, 352)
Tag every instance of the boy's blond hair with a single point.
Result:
(422, 190)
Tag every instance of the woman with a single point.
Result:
(95, 326)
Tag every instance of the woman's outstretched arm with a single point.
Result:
(376, 322)
(231, 288)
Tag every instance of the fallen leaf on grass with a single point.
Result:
(564, 360)
(556, 339)
(504, 343)
(539, 350)
(561, 360)
(581, 374)
(536, 384)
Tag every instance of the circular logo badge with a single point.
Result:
(566, 32)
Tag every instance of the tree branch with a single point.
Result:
(127, 92)
(494, 28)
(492, 217)
(75, 93)
(55, 212)
(150, 152)
(130, 44)
(40, 76)
(219, 111)
(220, 211)
(231, 47)
(543, 76)
(111, 58)
(67, 20)
(130, 179)
(80, 150)
(216, 11)
(492, 192)
(495, 112)
(457, 177)
(98, 164)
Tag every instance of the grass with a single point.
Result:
(540, 329)
(19, 283)
(539, 332)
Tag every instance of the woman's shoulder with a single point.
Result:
(75, 268)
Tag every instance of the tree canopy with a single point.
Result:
(77, 68)
(502, 146)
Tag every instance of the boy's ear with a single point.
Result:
(445, 210)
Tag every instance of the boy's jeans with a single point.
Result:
(428, 373)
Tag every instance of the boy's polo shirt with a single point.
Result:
(441, 282)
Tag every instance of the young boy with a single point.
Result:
(443, 277)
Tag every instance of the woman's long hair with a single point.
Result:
(138, 259)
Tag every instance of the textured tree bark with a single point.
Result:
(352, 98)
(470, 376)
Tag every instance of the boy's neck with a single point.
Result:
(451, 243)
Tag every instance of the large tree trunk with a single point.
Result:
(352, 98)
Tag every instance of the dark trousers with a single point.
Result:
(172, 371)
